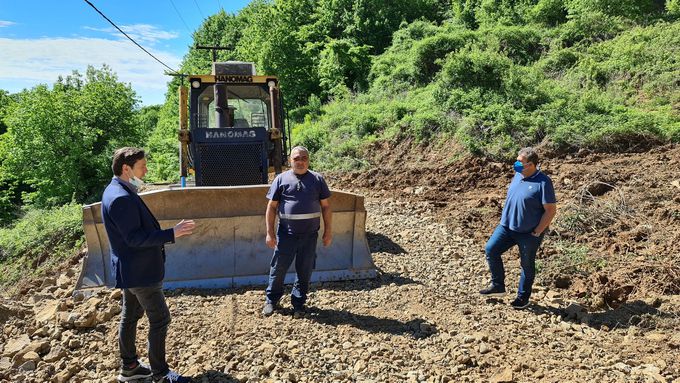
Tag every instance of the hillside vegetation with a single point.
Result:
(491, 75)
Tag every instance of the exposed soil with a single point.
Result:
(606, 306)
(617, 232)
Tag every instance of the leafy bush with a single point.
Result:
(343, 64)
(548, 12)
(632, 9)
(673, 7)
(475, 69)
(427, 53)
(503, 12)
(592, 27)
(41, 237)
(522, 44)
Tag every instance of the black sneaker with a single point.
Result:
(492, 291)
(172, 377)
(269, 309)
(139, 371)
(519, 303)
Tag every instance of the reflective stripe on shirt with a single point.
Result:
(299, 216)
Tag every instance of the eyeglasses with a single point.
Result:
(301, 158)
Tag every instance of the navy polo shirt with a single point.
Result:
(524, 204)
(299, 196)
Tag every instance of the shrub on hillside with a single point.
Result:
(343, 64)
(474, 69)
(673, 7)
(548, 12)
(522, 44)
(427, 53)
(41, 236)
(591, 27)
(503, 12)
(631, 9)
(393, 70)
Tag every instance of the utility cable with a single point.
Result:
(130, 38)
(199, 10)
(180, 16)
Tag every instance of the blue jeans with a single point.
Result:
(301, 248)
(136, 302)
(503, 239)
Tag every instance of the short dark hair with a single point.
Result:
(530, 154)
(125, 156)
(299, 149)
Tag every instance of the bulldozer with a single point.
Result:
(232, 138)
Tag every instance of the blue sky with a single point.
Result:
(40, 40)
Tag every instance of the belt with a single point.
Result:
(299, 216)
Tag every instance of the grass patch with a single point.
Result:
(39, 240)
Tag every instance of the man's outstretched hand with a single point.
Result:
(184, 227)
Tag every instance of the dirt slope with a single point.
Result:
(617, 232)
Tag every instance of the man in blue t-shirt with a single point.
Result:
(529, 208)
(300, 198)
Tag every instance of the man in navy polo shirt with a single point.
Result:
(529, 208)
(300, 198)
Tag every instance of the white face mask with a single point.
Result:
(137, 182)
(134, 180)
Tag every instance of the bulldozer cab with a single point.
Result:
(236, 130)
(231, 133)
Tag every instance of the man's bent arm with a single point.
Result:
(270, 217)
(546, 218)
(327, 214)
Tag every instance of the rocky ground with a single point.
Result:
(421, 319)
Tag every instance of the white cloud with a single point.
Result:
(29, 62)
(5, 23)
(142, 33)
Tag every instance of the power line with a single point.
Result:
(180, 16)
(199, 10)
(130, 38)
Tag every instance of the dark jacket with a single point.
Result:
(135, 237)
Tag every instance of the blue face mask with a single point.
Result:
(518, 166)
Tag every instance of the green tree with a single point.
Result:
(147, 120)
(5, 102)
(163, 144)
(343, 66)
(59, 141)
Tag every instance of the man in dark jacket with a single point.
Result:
(138, 259)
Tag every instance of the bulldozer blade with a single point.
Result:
(227, 247)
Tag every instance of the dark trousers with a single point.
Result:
(501, 241)
(289, 247)
(136, 302)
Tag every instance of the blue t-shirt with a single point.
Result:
(298, 197)
(524, 205)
